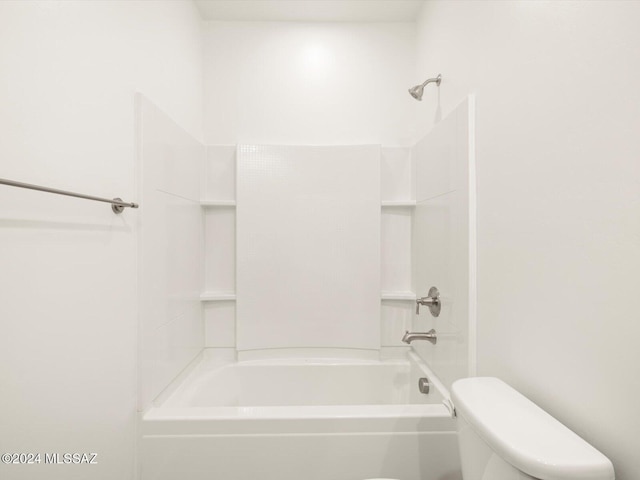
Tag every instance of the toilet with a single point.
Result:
(504, 436)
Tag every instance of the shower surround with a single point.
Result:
(300, 284)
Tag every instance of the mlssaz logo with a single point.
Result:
(71, 458)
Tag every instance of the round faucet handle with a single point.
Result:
(432, 300)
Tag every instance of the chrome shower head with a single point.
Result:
(417, 91)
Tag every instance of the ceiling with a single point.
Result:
(311, 10)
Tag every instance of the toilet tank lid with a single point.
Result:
(525, 435)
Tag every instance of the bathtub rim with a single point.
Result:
(159, 412)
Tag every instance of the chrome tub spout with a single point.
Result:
(430, 336)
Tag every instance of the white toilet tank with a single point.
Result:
(504, 436)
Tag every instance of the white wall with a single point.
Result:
(68, 277)
(309, 83)
(558, 195)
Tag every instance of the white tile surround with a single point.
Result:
(220, 235)
(219, 206)
(170, 167)
(397, 189)
(218, 199)
(402, 223)
(210, 198)
(308, 247)
(441, 243)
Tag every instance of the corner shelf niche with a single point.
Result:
(397, 208)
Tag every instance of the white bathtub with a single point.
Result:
(301, 419)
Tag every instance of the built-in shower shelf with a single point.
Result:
(218, 203)
(409, 296)
(217, 297)
(399, 203)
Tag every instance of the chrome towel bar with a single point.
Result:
(117, 205)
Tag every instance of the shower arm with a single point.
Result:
(435, 80)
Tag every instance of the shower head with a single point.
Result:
(417, 91)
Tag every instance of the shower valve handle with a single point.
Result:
(432, 300)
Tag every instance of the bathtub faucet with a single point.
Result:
(429, 336)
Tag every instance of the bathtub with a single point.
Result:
(301, 419)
